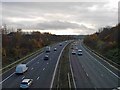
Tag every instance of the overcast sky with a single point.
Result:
(60, 17)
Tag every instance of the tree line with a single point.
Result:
(16, 45)
(106, 42)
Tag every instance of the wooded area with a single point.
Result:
(16, 45)
(106, 42)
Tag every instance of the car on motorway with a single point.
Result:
(76, 48)
(26, 83)
(75, 44)
(55, 49)
(46, 57)
(47, 49)
(79, 50)
(73, 52)
(80, 53)
(60, 44)
(116, 88)
(21, 68)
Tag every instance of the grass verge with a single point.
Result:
(29, 56)
(117, 66)
(12, 65)
(63, 77)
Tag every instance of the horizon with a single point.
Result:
(60, 18)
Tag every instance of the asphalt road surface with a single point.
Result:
(89, 72)
(40, 70)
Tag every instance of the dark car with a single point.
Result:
(73, 52)
(46, 57)
(55, 49)
(80, 53)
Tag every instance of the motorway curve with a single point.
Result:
(89, 72)
(41, 71)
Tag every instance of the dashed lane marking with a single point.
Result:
(38, 78)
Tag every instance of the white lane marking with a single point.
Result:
(32, 68)
(7, 78)
(53, 77)
(69, 80)
(87, 74)
(12, 68)
(43, 69)
(72, 71)
(38, 78)
(47, 63)
(23, 77)
(34, 58)
(14, 72)
(101, 64)
(104, 60)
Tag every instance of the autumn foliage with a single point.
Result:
(16, 45)
(106, 42)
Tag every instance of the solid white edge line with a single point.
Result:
(69, 80)
(14, 72)
(72, 71)
(7, 78)
(102, 59)
(101, 63)
(10, 69)
(53, 77)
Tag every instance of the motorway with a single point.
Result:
(89, 72)
(41, 71)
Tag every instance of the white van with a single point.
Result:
(21, 68)
(47, 49)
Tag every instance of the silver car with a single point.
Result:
(46, 57)
(73, 52)
(79, 50)
(26, 83)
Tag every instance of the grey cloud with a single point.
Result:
(78, 12)
(27, 8)
(52, 25)
(57, 25)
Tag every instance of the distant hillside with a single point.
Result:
(106, 42)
